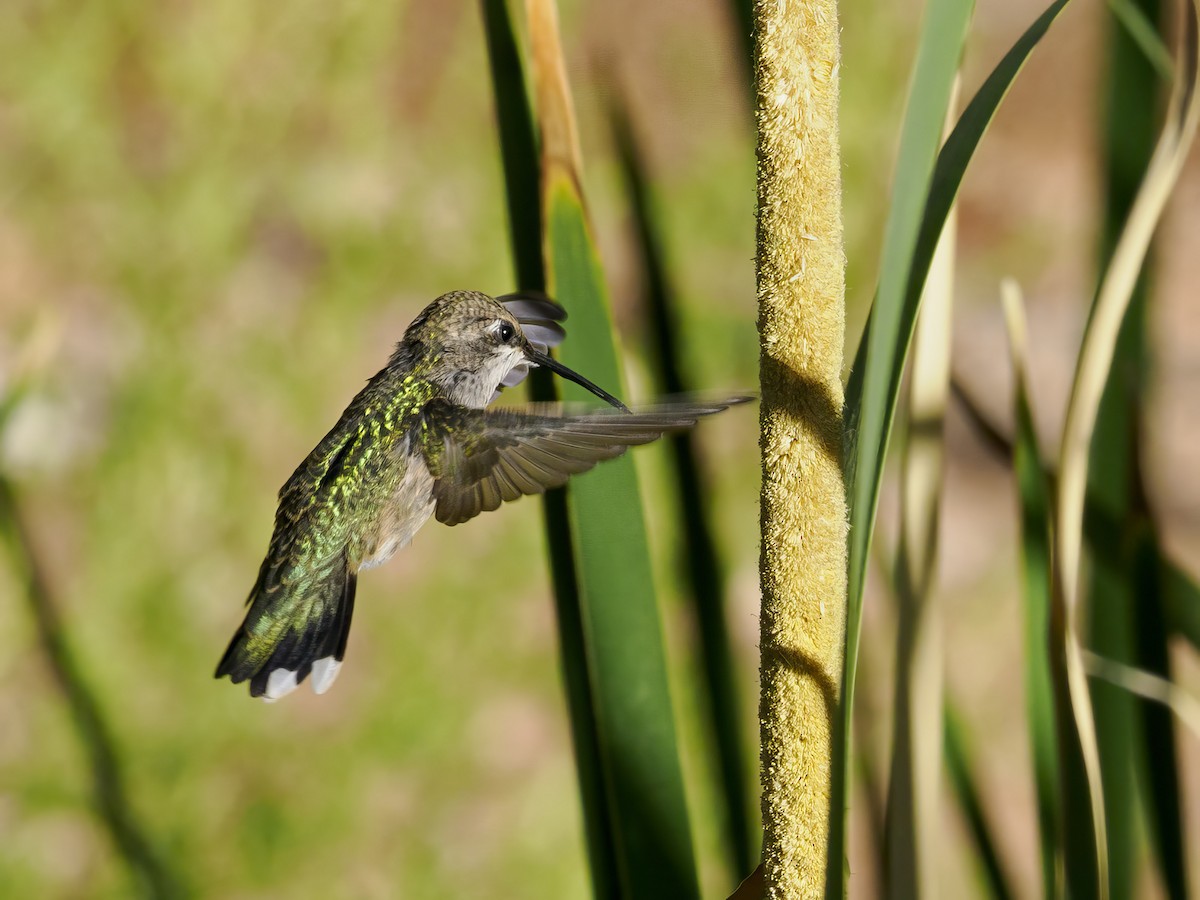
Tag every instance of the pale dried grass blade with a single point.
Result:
(1147, 685)
(913, 816)
(1091, 373)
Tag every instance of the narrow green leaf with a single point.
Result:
(1076, 832)
(1180, 589)
(519, 151)
(518, 144)
(148, 869)
(875, 810)
(153, 877)
(1139, 25)
(871, 396)
(952, 165)
(1159, 767)
(871, 400)
(1182, 599)
(1180, 607)
(1092, 373)
(883, 349)
(703, 569)
(1122, 615)
(962, 782)
(913, 834)
(635, 724)
(1034, 492)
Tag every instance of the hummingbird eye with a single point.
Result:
(505, 332)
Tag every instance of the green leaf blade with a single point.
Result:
(1127, 615)
(873, 387)
(636, 726)
(1034, 494)
(702, 565)
(522, 164)
(872, 393)
(970, 801)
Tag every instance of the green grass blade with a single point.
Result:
(1181, 591)
(1118, 609)
(913, 834)
(965, 791)
(1180, 610)
(1077, 833)
(1092, 374)
(875, 378)
(1159, 763)
(1182, 595)
(703, 569)
(635, 721)
(871, 395)
(951, 167)
(875, 810)
(1034, 492)
(624, 636)
(150, 873)
(1137, 19)
(154, 877)
(518, 145)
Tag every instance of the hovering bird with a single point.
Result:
(418, 441)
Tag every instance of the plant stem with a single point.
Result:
(803, 509)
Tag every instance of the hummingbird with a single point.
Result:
(418, 442)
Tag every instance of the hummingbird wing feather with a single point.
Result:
(480, 458)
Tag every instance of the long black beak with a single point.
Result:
(542, 359)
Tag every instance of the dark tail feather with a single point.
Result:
(292, 631)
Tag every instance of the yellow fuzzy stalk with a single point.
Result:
(801, 325)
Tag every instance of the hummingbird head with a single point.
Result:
(475, 344)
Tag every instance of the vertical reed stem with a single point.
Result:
(803, 510)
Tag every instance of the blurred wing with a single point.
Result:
(480, 458)
(539, 317)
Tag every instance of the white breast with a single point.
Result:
(410, 508)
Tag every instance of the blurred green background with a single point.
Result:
(216, 220)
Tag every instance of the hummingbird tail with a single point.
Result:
(292, 630)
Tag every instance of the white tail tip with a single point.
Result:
(280, 683)
(325, 673)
